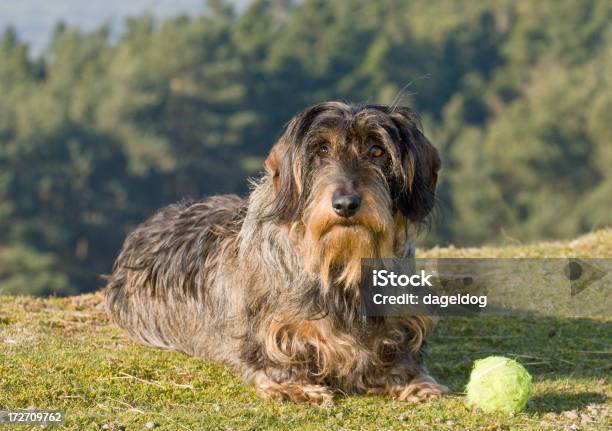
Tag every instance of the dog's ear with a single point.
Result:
(415, 198)
(273, 162)
(284, 168)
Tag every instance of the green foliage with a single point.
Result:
(98, 133)
(25, 271)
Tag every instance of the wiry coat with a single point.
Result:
(267, 285)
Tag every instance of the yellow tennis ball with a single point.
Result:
(498, 384)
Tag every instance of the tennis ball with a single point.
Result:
(498, 384)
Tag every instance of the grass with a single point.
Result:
(62, 353)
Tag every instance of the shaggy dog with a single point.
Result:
(270, 285)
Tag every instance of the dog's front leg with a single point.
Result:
(267, 388)
(421, 388)
(296, 359)
(405, 383)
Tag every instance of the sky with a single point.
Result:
(36, 19)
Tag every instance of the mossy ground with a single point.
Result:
(62, 353)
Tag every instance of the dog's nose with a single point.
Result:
(346, 205)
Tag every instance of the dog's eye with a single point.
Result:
(375, 152)
(323, 150)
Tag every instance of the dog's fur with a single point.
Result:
(269, 286)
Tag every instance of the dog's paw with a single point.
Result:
(312, 394)
(420, 389)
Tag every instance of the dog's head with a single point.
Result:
(348, 181)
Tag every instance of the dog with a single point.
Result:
(269, 285)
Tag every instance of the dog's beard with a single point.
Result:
(332, 247)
